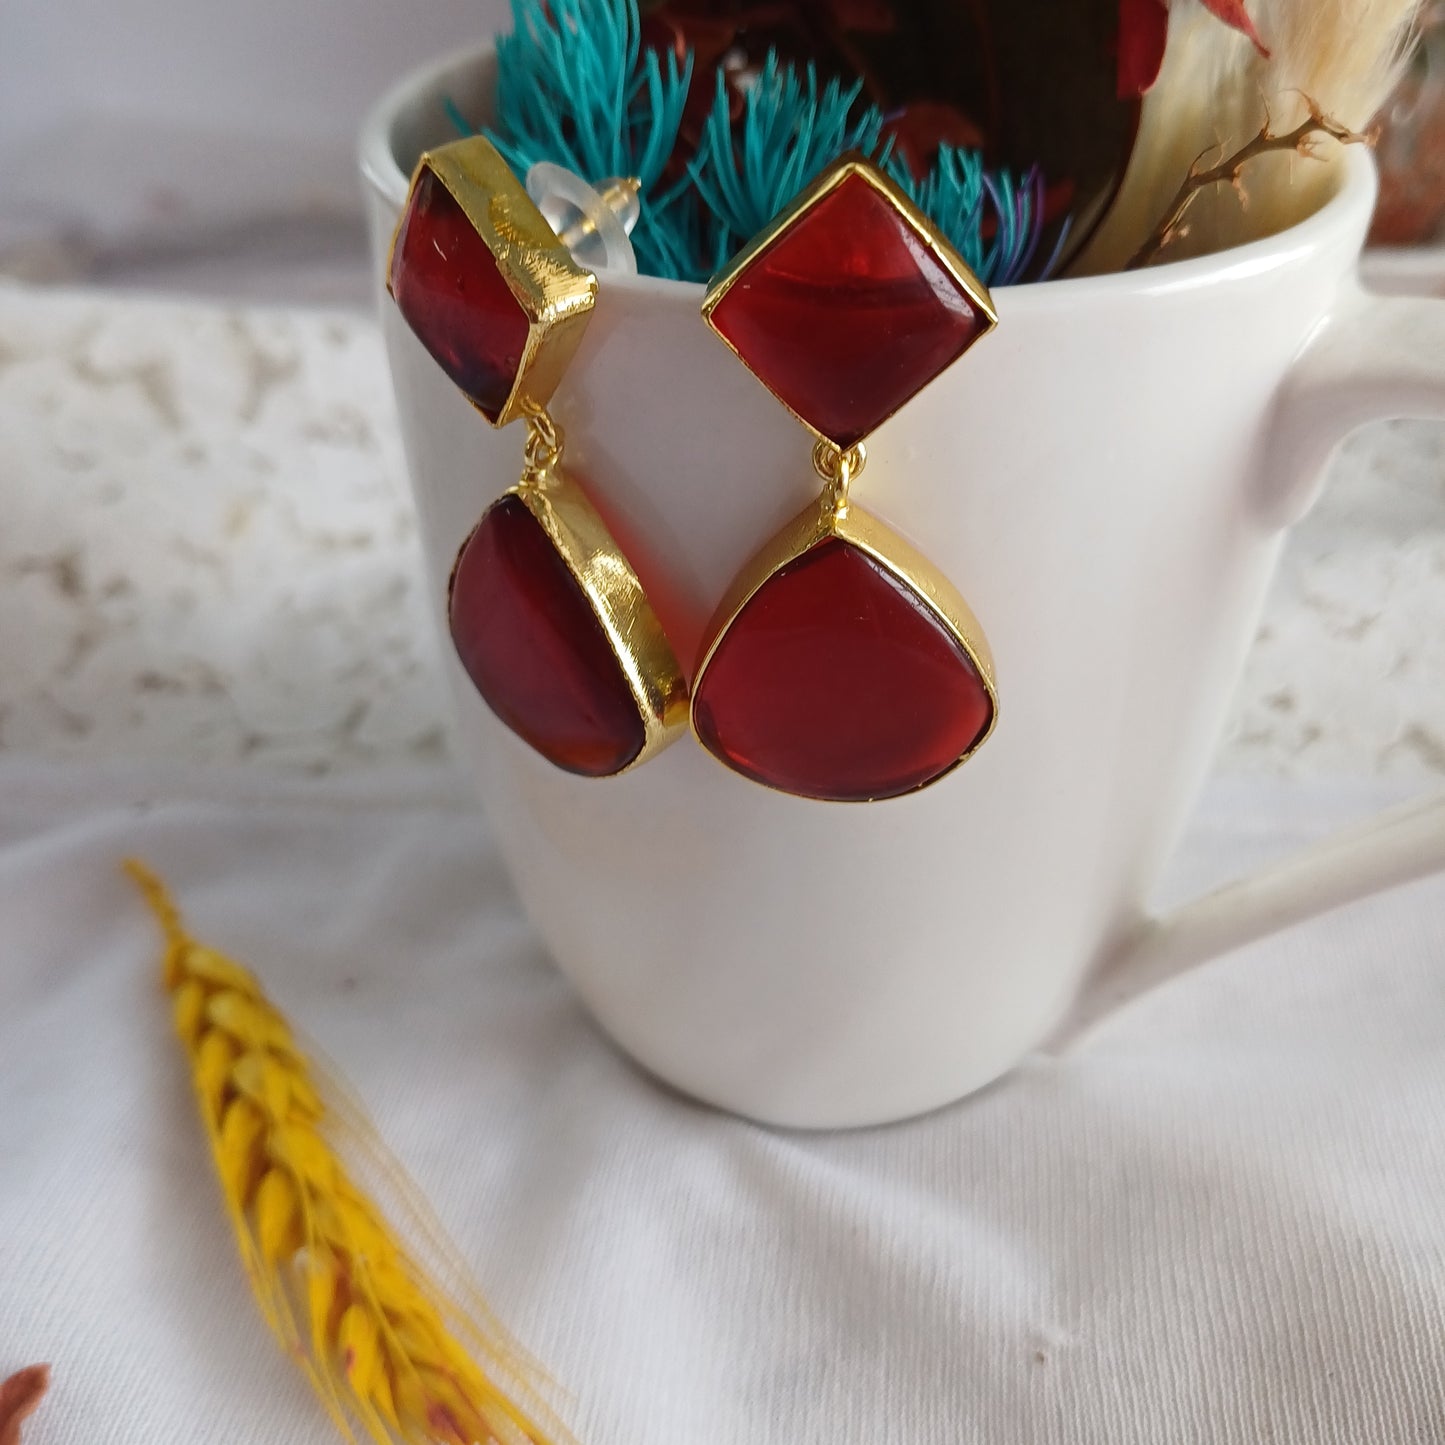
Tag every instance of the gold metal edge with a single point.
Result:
(550, 348)
(618, 600)
(933, 237)
(555, 293)
(829, 179)
(816, 523)
(812, 525)
(852, 163)
(897, 555)
(537, 266)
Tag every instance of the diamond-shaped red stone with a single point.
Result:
(531, 643)
(848, 313)
(837, 681)
(454, 297)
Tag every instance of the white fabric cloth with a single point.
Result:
(1220, 1217)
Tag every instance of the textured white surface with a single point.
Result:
(207, 552)
(1348, 672)
(1217, 1219)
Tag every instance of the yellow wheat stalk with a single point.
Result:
(382, 1341)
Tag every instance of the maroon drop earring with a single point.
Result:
(548, 616)
(842, 665)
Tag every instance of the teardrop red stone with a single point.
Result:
(848, 313)
(455, 298)
(837, 681)
(533, 646)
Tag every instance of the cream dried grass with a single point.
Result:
(382, 1341)
(1215, 92)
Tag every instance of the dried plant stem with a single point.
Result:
(382, 1341)
(1229, 171)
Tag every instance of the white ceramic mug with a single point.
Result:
(1107, 479)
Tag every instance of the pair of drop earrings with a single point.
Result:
(840, 665)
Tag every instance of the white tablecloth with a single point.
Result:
(1219, 1217)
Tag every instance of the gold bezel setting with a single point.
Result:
(555, 294)
(822, 521)
(614, 592)
(849, 166)
(855, 403)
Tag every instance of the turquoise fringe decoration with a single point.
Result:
(952, 196)
(791, 130)
(575, 87)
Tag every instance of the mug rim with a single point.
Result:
(1349, 207)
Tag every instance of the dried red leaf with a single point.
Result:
(1411, 158)
(1233, 13)
(19, 1395)
(1058, 199)
(1143, 30)
(868, 16)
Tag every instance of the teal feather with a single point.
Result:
(575, 86)
(952, 195)
(792, 128)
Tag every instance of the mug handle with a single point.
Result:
(1374, 358)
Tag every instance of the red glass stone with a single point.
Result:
(837, 681)
(848, 314)
(531, 643)
(455, 298)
